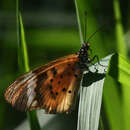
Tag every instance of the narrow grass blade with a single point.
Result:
(121, 46)
(23, 47)
(81, 22)
(24, 64)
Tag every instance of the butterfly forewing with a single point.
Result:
(52, 87)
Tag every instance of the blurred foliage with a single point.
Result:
(51, 31)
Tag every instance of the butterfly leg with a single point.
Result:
(97, 58)
(90, 51)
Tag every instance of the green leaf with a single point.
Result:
(122, 65)
(120, 69)
(112, 104)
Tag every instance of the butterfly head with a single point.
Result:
(84, 48)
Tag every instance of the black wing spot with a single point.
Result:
(69, 91)
(61, 76)
(54, 71)
(52, 92)
(76, 75)
(64, 89)
(73, 69)
(53, 95)
(51, 80)
(69, 64)
(50, 87)
(59, 82)
(56, 93)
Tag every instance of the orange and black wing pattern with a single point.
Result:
(52, 87)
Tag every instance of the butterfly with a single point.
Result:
(53, 86)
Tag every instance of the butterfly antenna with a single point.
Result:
(98, 29)
(94, 33)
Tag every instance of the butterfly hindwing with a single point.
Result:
(51, 87)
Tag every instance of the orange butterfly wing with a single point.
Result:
(52, 87)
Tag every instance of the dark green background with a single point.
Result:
(51, 31)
